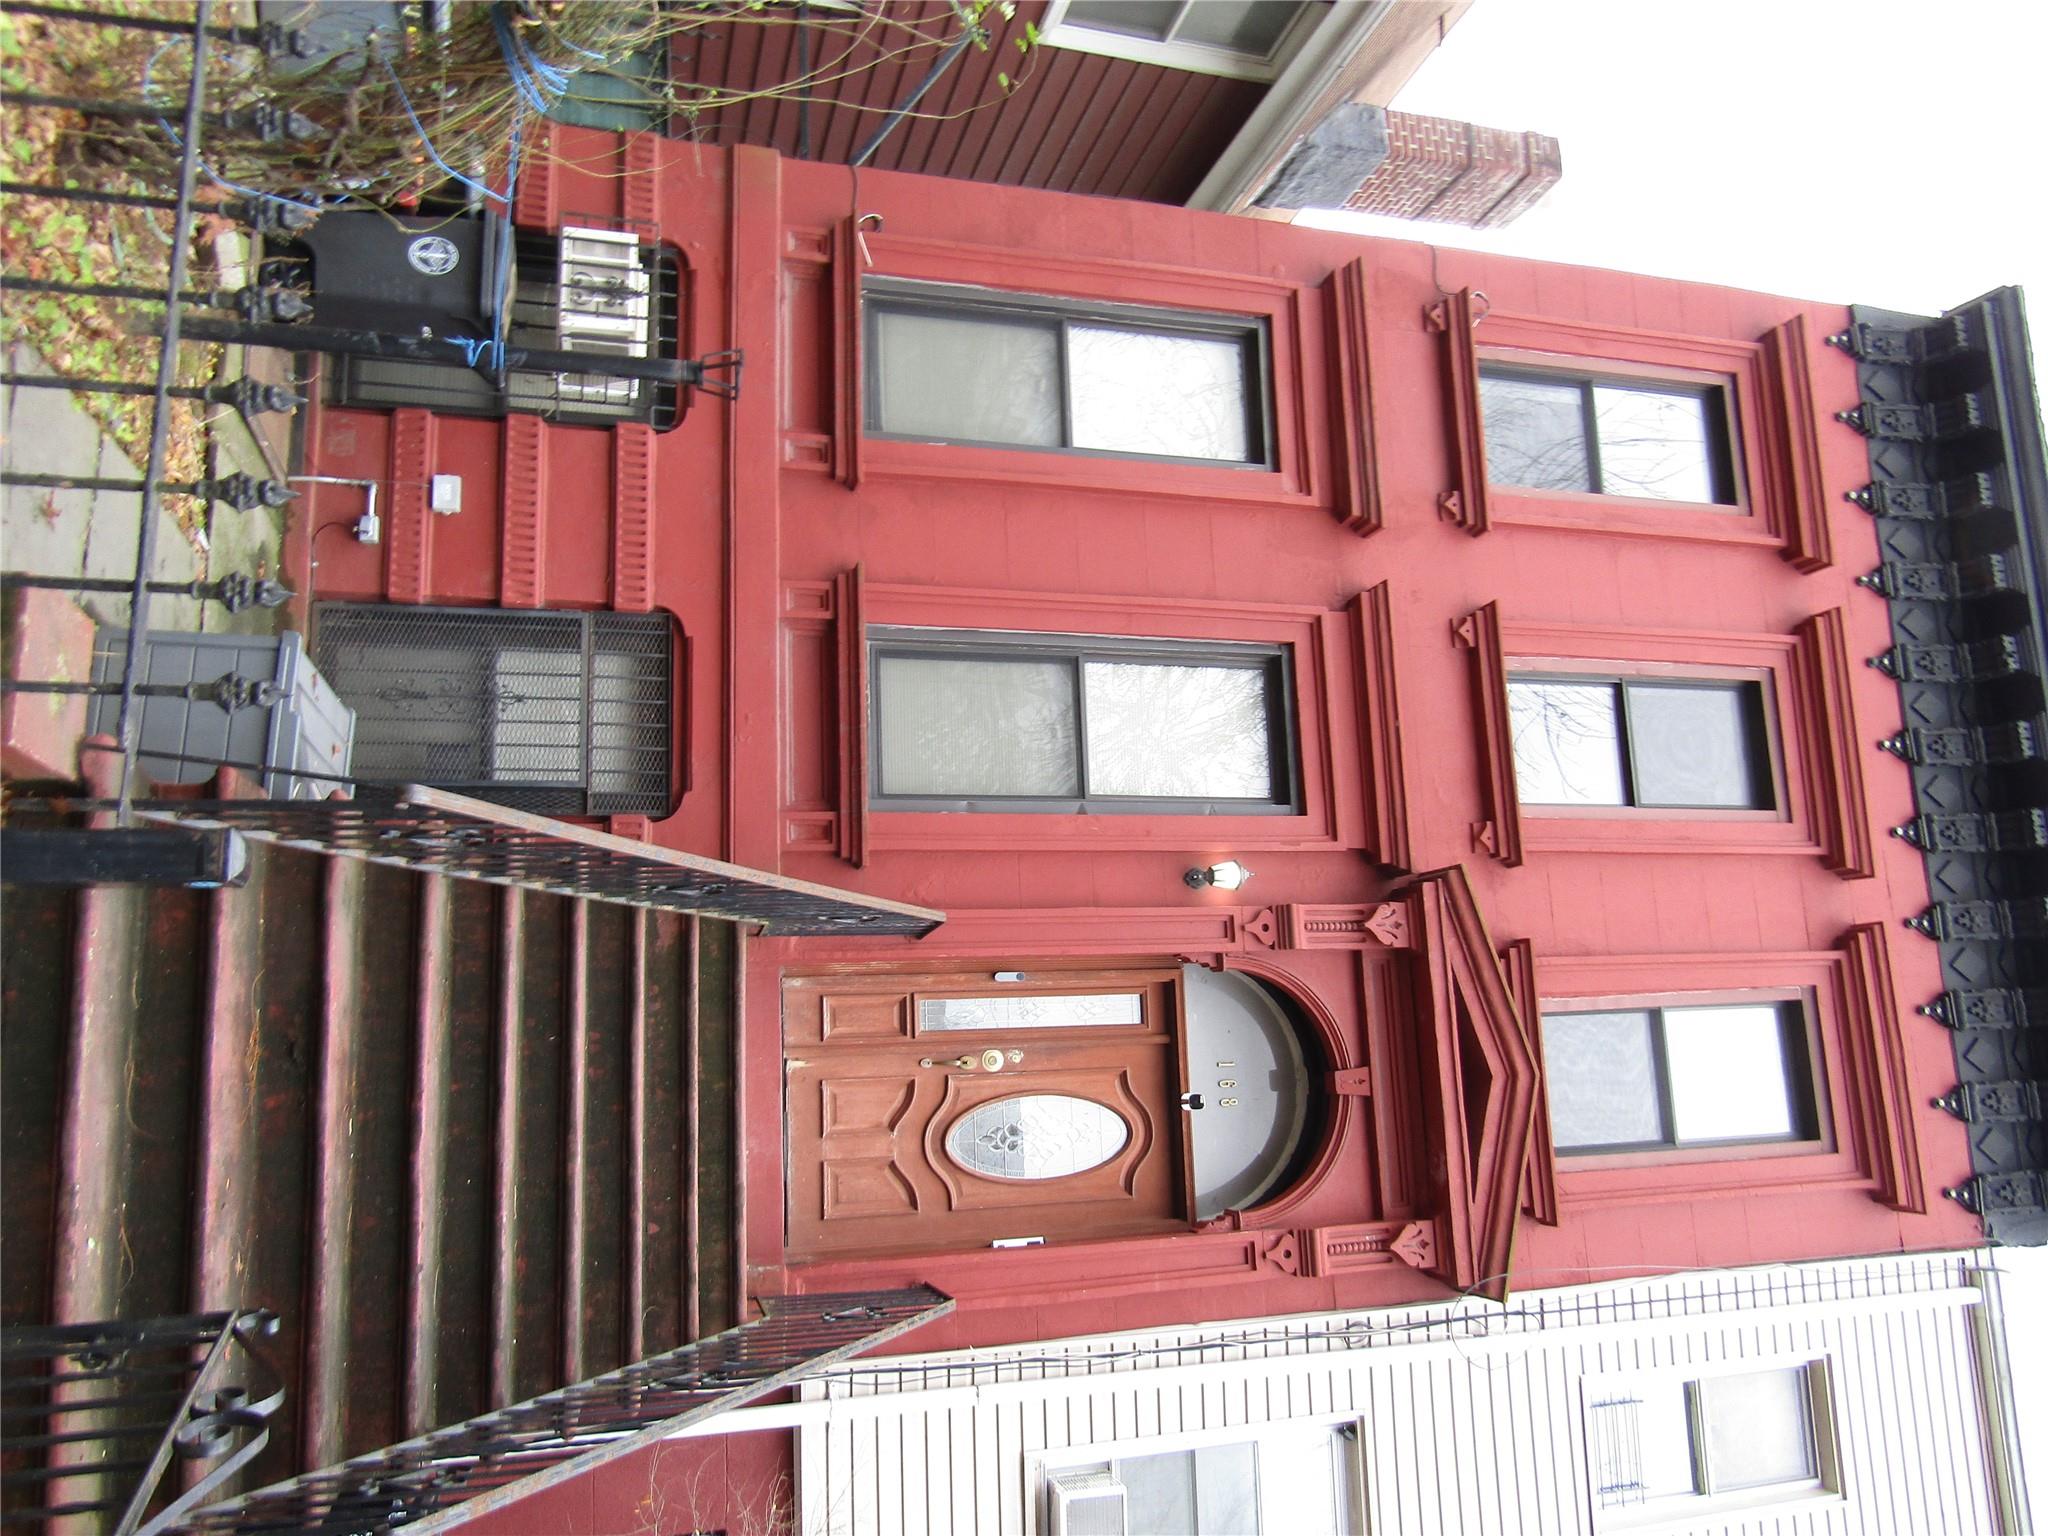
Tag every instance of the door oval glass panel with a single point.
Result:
(1036, 1136)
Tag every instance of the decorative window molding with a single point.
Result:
(1053, 375)
(1282, 314)
(1317, 646)
(1090, 724)
(1357, 470)
(1864, 1105)
(1820, 807)
(1379, 723)
(1539, 1183)
(1170, 44)
(1770, 423)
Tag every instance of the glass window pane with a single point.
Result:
(1661, 1427)
(1535, 433)
(1018, 1011)
(1226, 1490)
(1696, 744)
(1759, 1429)
(1653, 443)
(976, 378)
(1147, 392)
(1601, 1071)
(1250, 27)
(1567, 742)
(1036, 1136)
(1188, 732)
(1159, 1493)
(959, 726)
(1133, 18)
(1299, 1472)
(1729, 1076)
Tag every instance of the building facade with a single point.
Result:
(1056, 561)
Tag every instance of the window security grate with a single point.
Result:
(585, 399)
(555, 713)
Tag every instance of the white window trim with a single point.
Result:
(1672, 1514)
(1190, 58)
(1037, 1464)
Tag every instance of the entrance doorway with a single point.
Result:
(951, 1110)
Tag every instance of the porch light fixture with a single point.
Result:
(1227, 876)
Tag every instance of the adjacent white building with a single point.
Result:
(1856, 1396)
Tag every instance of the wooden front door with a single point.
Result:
(948, 1110)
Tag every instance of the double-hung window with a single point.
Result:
(1080, 724)
(1664, 1447)
(1670, 743)
(1654, 1078)
(971, 366)
(1660, 440)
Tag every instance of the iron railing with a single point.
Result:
(415, 827)
(94, 1415)
(556, 713)
(439, 1480)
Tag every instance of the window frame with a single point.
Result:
(1808, 687)
(1322, 646)
(1723, 440)
(1299, 472)
(1772, 415)
(1252, 335)
(1865, 1103)
(1347, 1428)
(1798, 1034)
(500, 626)
(1766, 772)
(1684, 1511)
(1275, 661)
(1057, 31)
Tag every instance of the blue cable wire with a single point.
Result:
(428, 144)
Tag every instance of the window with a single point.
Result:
(561, 714)
(1642, 1079)
(1668, 743)
(1294, 1480)
(1607, 436)
(1246, 39)
(971, 721)
(1664, 1447)
(963, 365)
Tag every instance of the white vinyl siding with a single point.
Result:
(1462, 1426)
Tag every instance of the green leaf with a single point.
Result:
(1003, 81)
(1022, 46)
(1031, 33)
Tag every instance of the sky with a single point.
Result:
(1852, 151)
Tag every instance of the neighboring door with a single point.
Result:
(951, 1110)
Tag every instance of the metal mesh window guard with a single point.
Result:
(556, 713)
(390, 382)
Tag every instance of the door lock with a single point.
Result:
(1191, 1101)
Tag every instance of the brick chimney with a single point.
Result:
(1458, 173)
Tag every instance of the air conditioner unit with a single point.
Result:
(1086, 1504)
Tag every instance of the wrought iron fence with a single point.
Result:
(93, 1416)
(438, 1480)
